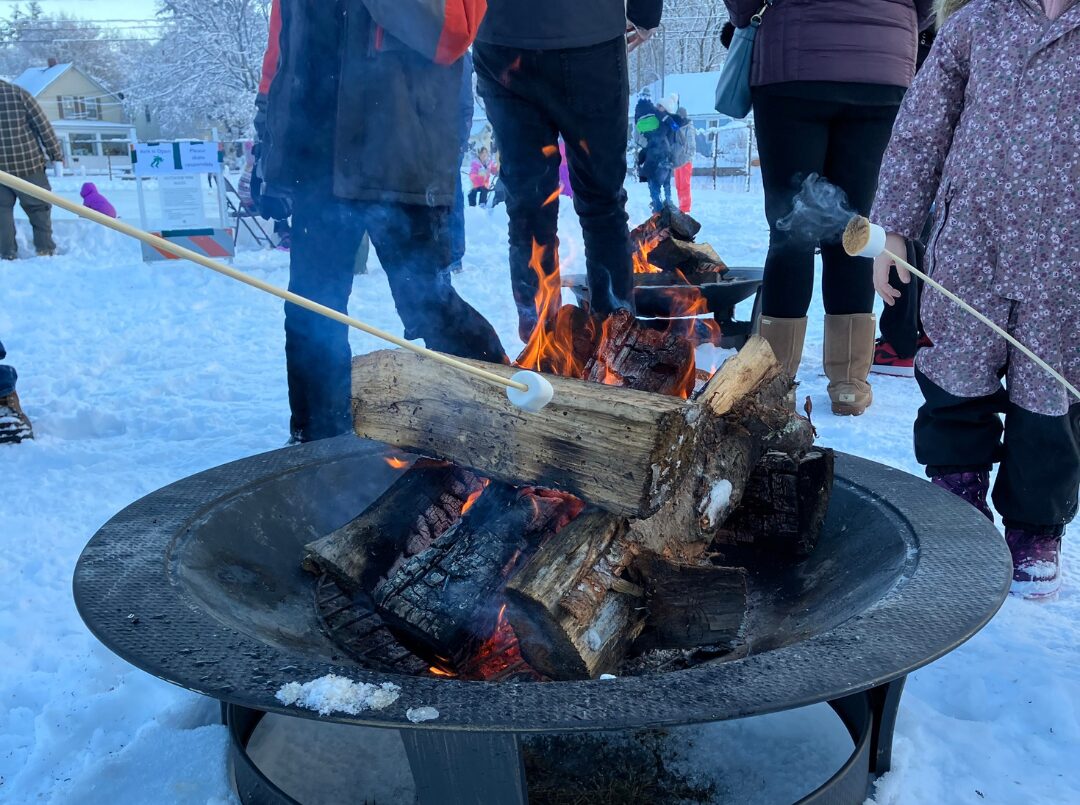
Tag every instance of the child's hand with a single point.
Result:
(883, 264)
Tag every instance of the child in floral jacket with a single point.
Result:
(990, 132)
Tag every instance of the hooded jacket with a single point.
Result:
(562, 24)
(362, 96)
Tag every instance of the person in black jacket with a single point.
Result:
(338, 82)
(551, 68)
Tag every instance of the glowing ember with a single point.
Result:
(585, 147)
(434, 670)
(550, 150)
(396, 463)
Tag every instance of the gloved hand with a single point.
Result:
(269, 201)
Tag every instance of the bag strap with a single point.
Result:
(756, 19)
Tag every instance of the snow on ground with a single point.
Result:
(137, 375)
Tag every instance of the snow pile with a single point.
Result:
(418, 715)
(336, 694)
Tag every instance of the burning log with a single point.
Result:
(642, 359)
(404, 401)
(445, 600)
(417, 508)
(671, 254)
(569, 345)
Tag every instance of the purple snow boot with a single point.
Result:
(1036, 563)
(971, 486)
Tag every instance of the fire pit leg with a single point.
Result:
(466, 768)
(885, 702)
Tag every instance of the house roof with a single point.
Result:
(35, 79)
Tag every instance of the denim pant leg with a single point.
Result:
(8, 377)
(528, 143)
(325, 237)
(412, 244)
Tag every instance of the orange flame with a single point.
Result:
(641, 256)
(396, 463)
(474, 495)
(543, 342)
(436, 671)
(554, 196)
(550, 150)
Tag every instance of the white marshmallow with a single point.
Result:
(876, 245)
(539, 394)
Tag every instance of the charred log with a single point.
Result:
(445, 601)
(417, 508)
(642, 358)
(783, 507)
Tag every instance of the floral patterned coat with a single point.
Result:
(990, 134)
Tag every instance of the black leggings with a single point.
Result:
(482, 192)
(843, 142)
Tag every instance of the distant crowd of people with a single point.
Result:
(971, 167)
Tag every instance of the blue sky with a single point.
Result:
(93, 9)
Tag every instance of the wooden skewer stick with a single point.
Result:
(40, 193)
(861, 240)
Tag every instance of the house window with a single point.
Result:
(83, 145)
(114, 145)
(78, 107)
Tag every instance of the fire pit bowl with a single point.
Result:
(200, 584)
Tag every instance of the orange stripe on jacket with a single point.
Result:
(463, 18)
(273, 49)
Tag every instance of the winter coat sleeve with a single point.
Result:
(441, 30)
(269, 68)
(915, 159)
(466, 102)
(41, 127)
(740, 11)
(645, 13)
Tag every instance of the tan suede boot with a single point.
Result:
(786, 337)
(14, 424)
(849, 353)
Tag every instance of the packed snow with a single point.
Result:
(336, 694)
(716, 501)
(418, 715)
(137, 375)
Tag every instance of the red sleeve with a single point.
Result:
(461, 22)
(273, 49)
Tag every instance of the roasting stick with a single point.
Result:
(865, 239)
(527, 390)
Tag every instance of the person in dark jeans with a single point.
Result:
(826, 80)
(325, 147)
(546, 69)
(14, 424)
(466, 109)
(27, 139)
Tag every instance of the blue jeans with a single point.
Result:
(7, 375)
(412, 244)
(654, 191)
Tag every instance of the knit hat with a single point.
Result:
(670, 103)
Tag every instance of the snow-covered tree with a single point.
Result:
(29, 37)
(205, 69)
(688, 42)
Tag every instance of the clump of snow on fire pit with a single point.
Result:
(716, 501)
(419, 714)
(336, 694)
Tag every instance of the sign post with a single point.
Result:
(178, 168)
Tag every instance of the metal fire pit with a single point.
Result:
(200, 584)
(664, 295)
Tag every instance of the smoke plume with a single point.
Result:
(819, 213)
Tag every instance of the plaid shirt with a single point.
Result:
(24, 133)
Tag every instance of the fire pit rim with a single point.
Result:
(965, 558)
